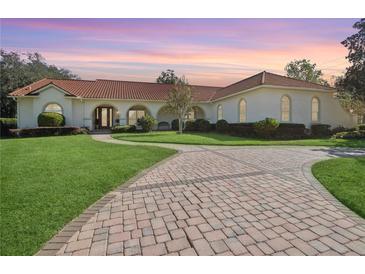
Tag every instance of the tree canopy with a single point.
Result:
(305, 70)
(353, 81)
(167, 77)
(19, 70)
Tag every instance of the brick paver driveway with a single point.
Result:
(221, 201)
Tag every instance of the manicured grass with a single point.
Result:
(46, 182)
(221, 139)
(345, 179)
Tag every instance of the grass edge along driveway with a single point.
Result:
(211, 138)
(46, 182)
(345, 179)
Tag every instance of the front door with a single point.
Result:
(103, 117)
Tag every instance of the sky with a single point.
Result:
(215, 52)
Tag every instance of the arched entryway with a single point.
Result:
(105, 116)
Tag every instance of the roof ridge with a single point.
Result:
(144, 82)
(243, 80)
(300, 80)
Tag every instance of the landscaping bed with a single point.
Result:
(46, 182)
(345, 179)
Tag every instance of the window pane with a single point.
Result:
(132, 117)
(285, 109)
(140, 113)
(315, 110)
(53, 108)
(243, 111)
(220, 113)
(104, 117)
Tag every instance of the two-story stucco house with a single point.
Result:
(104, 103)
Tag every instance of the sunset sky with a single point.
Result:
(207, 51)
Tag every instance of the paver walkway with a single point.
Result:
(223, 201)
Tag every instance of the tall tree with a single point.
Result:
(180, 100)
(354, 80)
(19, 70)
(305, 70)
(167, 77)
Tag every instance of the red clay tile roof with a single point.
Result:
(266, 78)
(110, 89)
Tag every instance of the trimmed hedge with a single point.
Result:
(47, 131)
(222, 126)
(266, 128)
(6, 124)
(123, 129)
(200, 125)
(51, 119)
(242, 129)
(290, 131)
(320, 130)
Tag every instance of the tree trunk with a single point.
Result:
(180, 126)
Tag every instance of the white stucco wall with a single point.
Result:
(266, 102)
(261, 103)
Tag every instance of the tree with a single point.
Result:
(304, 70)
(19, 70)
(180, 100)
(354, 80)
(167, 77)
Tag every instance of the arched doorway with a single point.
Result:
(104, 116)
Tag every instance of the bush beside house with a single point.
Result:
(124, 129)
(266, 128)
(51, 119)
(147, 123)
(6, 124)
(320, 130)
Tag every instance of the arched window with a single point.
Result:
(285, 108)
(219, 112)
(315, 109)
(134, 113)
(53, 107)
(242, 110)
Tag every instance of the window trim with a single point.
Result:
(239, 110)
(318, 111)
(53, 103)
(219, 109)
(290, 108)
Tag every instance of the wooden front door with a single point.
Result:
(103, 117)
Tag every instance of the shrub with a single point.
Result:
(320, 130)
(242, 129)
(361, 127)
(6, 124)
(47, 131)
(146, 122)
(360, 134)
(338, 129)
(51, 119)
(123, 129)
(290, 131)
(175, 124)
(266, 128)
(189, 126)
(222, 126)
(202, 125)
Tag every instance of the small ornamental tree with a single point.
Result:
(266, 128)
(180, 100)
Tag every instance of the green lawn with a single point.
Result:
(345, 179)
(221, 139)
(46, 182)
